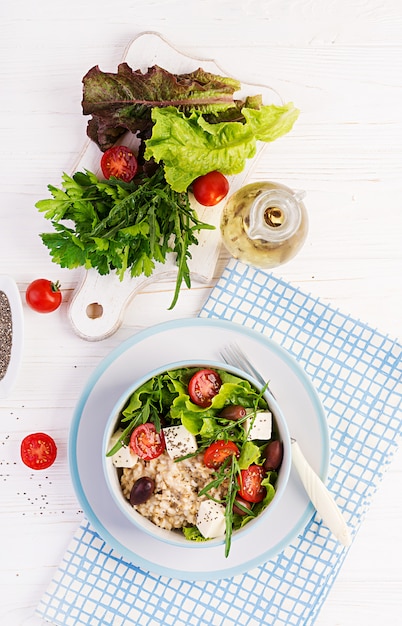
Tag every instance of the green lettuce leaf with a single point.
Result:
(250, 453)
(193, 534)
(189, 146)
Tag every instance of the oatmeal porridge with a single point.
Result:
(175, 501)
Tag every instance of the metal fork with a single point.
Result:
(318, 493)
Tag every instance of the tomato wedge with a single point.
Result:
(218, 451)
(120, 162)
(250, 479)
(38, 451)
(146, 442)
(203, 386)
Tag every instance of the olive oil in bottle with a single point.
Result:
(264, 224)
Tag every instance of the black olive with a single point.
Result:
(238, 510)
(273, 455)
(142, 490)
(233, 412)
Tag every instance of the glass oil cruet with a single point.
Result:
(264, 224)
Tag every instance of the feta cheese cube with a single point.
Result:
(179, 441)
(124, 457)
(261, 426)
(211, 519)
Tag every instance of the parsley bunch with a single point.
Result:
(115, 226)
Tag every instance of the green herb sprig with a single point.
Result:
(122, 227)
(229, 472)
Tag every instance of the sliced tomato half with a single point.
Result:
(146, 442)
(38, 451)
(218, 451)
(120, 162)
(250, 487)
(203, 386)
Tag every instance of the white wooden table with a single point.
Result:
(341, 64)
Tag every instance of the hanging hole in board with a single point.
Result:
(94, 310)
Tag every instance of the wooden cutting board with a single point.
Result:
(96, 309)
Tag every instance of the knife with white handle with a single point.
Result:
(320, 496)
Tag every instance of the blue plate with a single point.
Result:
(194, 339)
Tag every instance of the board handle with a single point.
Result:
(97, 307)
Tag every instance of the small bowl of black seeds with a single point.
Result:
(11, 334)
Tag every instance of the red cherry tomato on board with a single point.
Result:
(38, 451)
(218, 451)
(250, 479)
(146, 442)
(43, 296)
(210, 189)
(203, 386)
(120, 162)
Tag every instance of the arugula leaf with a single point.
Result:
(226, 473)
(233, 488)
(121, 227)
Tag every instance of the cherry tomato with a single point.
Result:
(38, 451)
(203, 386)
(218, 451)
(146, 442)
(43, 296)
(210, 189)
(120, 162)
(250, 479)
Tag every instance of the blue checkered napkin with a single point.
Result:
(357, 373)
